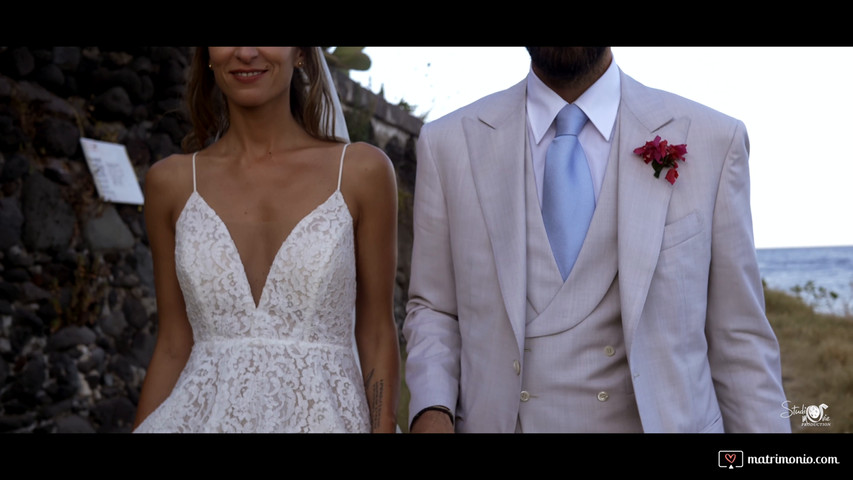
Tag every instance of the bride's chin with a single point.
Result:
(251, 100)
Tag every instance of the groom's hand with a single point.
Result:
(432, 421)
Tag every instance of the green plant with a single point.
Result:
(816, 296)
(347, 58)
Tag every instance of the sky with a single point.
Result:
(801, 171)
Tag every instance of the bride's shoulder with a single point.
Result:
(368, 177)
(169, 170)
(169, 180)
(369, 164)
(368, 158)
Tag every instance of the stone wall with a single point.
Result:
(77, 313)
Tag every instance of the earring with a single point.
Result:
(300, 64)
(210, 66)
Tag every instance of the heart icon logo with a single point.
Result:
(730, 457)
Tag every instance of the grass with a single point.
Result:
(817, 362)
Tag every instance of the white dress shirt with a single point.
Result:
(600, 103)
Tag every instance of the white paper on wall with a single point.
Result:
(114, 176)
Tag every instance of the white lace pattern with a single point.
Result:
(285, 365)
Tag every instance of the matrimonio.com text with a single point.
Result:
(732, 459)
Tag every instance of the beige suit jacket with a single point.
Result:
(702, 355)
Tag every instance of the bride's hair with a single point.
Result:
(310, 100)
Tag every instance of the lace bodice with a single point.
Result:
(285, 364)
(312, 277)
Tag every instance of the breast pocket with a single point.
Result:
(681, 230)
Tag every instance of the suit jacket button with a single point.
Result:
(525, 396)
(609, 351)
(517, 366)
(603, 396)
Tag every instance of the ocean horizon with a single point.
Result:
(829, 269)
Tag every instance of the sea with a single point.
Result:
(823, 275)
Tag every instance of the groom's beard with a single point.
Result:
(566, 63)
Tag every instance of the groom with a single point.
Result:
(644, 314)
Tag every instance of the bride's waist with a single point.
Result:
(260, 341)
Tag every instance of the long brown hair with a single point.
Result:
(310, 100)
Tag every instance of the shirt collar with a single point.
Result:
(600, 103)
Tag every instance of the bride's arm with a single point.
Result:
(374, 183)
(174, 334)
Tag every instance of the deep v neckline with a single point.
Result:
(251, 297)
(284, 243)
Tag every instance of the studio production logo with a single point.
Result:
(812, 416)
(730, 459)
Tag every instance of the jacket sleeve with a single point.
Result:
(742, 349)
(431, 328)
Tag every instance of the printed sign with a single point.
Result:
(114, 176)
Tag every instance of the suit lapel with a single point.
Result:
(643, 200)
(497, 149)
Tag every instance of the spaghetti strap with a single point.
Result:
(194, 154)
(341, 168)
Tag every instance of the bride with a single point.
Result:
(274, 247)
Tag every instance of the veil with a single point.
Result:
(340, 124)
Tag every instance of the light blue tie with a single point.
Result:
(568, 199)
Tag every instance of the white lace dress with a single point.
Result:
(286, 364)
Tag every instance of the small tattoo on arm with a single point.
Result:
(376, 389)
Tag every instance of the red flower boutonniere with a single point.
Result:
(660, 154)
